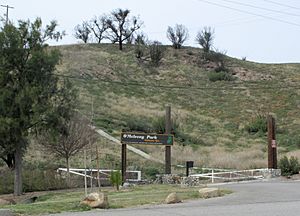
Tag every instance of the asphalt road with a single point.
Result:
(273, 198)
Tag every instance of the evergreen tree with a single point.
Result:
(31, 97)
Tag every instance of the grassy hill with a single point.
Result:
(211, 117)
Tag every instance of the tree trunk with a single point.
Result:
(120, 44)
(18, 171)
(68, 172)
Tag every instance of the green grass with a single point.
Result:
(57, 202)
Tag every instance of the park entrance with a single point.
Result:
(166, 139)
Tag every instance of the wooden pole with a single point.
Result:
(124, 161)
(85, 182)
(168, 148)
(98, 167)
(272, 145)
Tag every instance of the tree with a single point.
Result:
(98, 26)
(28, 87)
(121, 27)
(205, 39)
(177, 35)
(82, 32)
(72, 136)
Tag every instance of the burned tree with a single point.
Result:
(83, 31)
(177, 35)
(99, 27)
(121, 26)
(205, 39)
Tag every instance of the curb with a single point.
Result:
(6, 212)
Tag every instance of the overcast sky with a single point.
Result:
(260, 30)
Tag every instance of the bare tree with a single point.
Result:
(177, 35)
(121, 27)
(72, 137)
(205, 39)
(99, 26)
(82, 32)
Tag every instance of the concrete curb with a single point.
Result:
(6, 212)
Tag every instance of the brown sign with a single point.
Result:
(146, 139)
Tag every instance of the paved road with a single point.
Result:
(273, 198)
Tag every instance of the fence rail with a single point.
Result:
(231, 175)
(133, 176)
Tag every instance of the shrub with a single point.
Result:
(219, 76)
(289, 166)
(258, 124)
(115, 179)
(215, 56)
(158, 126)
(35, 180)
(138, 125)
(151, 172)
(156, 51)
(140, 46)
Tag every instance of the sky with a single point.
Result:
(266, 31)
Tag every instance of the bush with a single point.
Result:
(36, 180)
(258, 124)
(151, 172)
(289, 166)
(156, 51)
(116, 179)
(137, 125)
(219, 76)
(215, 56)
(159, 124)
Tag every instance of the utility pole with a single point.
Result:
(7, 7)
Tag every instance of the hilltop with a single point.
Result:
(212, 118)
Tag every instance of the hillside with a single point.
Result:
(211, 117)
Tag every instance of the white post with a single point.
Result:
(139, 178)
(85, 183)
(212, 176)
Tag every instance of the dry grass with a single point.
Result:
(214, 119)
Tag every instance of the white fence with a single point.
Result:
(133, 176)
(231, 175)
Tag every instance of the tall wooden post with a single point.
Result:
(85, 181)
(272, 145)
(124, 159)
(168, 148)
(98, 168)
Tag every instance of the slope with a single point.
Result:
(212, 117)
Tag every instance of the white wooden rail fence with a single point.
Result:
(105, 172)
(231, 175)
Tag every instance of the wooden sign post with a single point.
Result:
(166, 139)
(124, 162)
(168, 148)
(272, 145)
